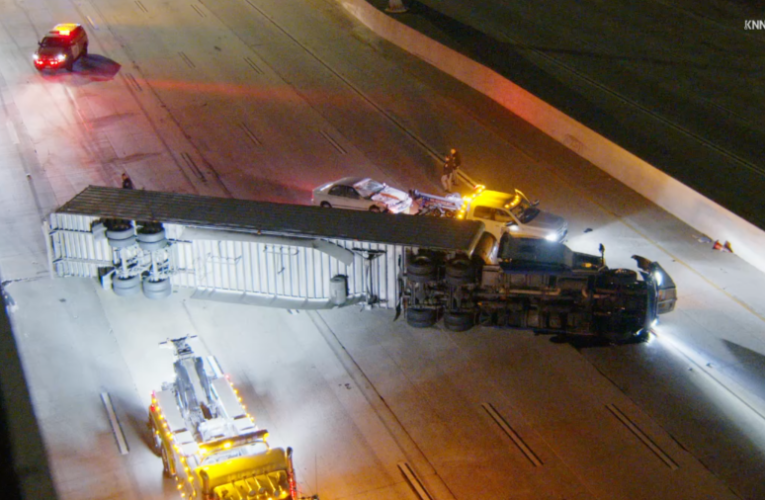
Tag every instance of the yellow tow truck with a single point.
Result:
(208, 442)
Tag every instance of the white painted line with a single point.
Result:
(642, 436)
(414, 481)
(116, 428)
(12, 132)
(518, 440)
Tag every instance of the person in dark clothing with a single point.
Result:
(452, 162)
(127, 183)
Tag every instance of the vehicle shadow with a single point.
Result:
(87, 69)
(138, 420)
(590, 341)
(96, 67)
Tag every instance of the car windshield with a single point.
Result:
(368, 187)
(524, 212)
(53, 42)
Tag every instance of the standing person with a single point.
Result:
(452, 162)
(127, 183)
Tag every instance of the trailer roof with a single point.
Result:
(274, 218)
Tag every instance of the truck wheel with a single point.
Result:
(151, 233)
(325, 204)
(420, 318)
(122, 243)
(374, 209)
(459, 271)
(120, 232)
(125, 287)
(153, 246)
(458, 321)
(421, 269)
(157, 289)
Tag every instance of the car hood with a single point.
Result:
(49, 51)
(390, 196)
(545, 223)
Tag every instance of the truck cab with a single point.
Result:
(513, 213)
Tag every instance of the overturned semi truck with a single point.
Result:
(431, 269)
(534, 284)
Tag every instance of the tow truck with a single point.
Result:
(534, 284)
(207, 440)
(500, 212)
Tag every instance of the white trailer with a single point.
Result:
(302, 257)
(289, 256)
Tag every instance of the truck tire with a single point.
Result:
(325, 204)
(157, 289)
(122, 243)
(120, 232)
(151, 234)
(153, 246)
(458, 321)
(421, 318)
(125, 287)
(375, 209)
(460, 271)
(421, 269)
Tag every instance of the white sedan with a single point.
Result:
(361, 193)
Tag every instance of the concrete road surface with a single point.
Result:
(266, 100)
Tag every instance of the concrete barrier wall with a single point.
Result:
(747, 240)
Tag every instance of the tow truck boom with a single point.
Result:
(207, 440)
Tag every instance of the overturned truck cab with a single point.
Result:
(534, 284)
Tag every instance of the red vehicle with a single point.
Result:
(61, 47)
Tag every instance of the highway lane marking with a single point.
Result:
(512, 434)
(12, 132)
(250, 134)
(642, 436)
(198, 11)
(333, 142)
(186, 59)
(130, 79)
(404, 441)
(414, 481)
(193, 166)
(254, 66)
(116, 428)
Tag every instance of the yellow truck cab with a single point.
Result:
(208, 442)
(514, 213)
